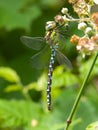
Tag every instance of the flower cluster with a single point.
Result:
(84, 44)
(80, 7)
(89, 42)
(87, 23)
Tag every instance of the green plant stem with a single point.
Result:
(26, 94)
(69, 120)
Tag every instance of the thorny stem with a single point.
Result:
(69, 120)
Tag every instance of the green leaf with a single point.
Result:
(63, 78)
(12, 88)
(28, 115)
(18, 13)
(9, 74)
(17, 113)
(93, 126)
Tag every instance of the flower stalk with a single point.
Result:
(74, 108)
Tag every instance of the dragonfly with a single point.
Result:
(48, 48)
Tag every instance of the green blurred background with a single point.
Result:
(23, 103)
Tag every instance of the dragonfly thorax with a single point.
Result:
(51, 38)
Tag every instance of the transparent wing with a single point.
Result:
(62, 32)
(62, 59)
(62, 41)
(41, 59)
(35, 43)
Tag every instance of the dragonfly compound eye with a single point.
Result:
(50, 25)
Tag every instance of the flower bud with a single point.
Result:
(82, 26)
(74, 39)
(94, 39)
(88, 30)
(64, 10)
(96, 1)
(94, 18)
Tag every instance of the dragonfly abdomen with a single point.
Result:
(49, 82)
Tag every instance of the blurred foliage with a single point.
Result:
(93, 126)
(23, 103)
(16, 14)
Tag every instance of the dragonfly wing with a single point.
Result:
(35, 43)
(62, 41)
(41, 59)
(62, 36)
(62, 59)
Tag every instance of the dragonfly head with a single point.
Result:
(50, 25)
